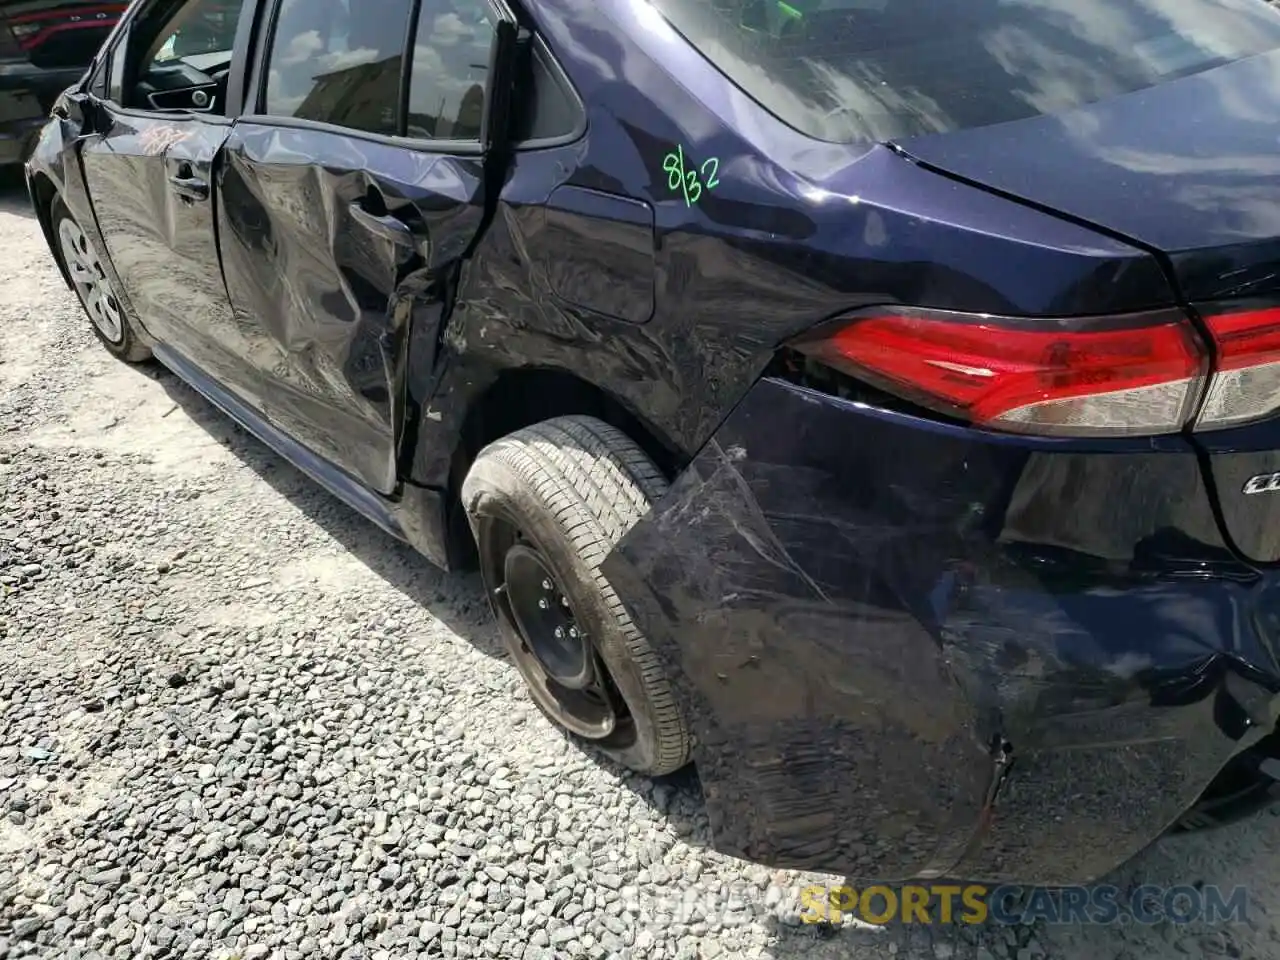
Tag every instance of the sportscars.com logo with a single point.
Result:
(975, 903)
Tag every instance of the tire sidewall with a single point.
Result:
(503, 495)
(128, 346)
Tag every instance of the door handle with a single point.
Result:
(386, 227)
(190, 188)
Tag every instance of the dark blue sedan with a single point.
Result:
(872, 401)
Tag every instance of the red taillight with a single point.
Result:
(1246, 379)
(30, 30)
(1126, 375)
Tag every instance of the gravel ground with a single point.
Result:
(238, 721)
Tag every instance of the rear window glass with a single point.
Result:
(867, 70)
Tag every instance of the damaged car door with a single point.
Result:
(354, 186)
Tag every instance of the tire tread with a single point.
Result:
(598, 483)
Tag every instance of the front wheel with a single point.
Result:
(547, 504)
(89, 279)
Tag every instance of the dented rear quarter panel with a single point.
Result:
(796, 232)
(859, 608)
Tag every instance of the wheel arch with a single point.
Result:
(44, 194)
(521, 397)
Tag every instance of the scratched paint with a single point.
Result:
(157, 140)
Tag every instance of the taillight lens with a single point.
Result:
(1246, 378)
(1140, 374)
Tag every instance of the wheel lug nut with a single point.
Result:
(573, 632)
(564, 601)
(542, 604)
(546, 584)
(559, 633)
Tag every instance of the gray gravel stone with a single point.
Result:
(108, 878)
(24, 927)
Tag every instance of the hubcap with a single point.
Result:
(90, 281)
(547, 641)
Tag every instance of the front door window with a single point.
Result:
(182, 57)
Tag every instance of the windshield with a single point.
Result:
(869, 70)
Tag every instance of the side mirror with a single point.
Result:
(508, 55)
(70, 105)
(78, 108)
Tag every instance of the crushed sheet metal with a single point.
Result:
(843, 726)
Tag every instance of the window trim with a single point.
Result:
(256, 92)
(248, 35)
(406, 68)
(115, 40)
(255, 34)
(129, 77)
(457, 148)
(98, 80)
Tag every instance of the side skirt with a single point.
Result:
(370, 505)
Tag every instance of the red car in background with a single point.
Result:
(45, 47)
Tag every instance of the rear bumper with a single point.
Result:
(27, 94)
(859, 608)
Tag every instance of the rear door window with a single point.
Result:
(342, 62)
(450, 69)
(339, 62)
(870, 70)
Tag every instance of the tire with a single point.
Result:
(84, 268)
(567, 490)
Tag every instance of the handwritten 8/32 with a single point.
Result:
(686, 181)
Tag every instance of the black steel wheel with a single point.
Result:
(546, 505)
(553, 652)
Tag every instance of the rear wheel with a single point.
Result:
(547, 504)
(94, 288)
